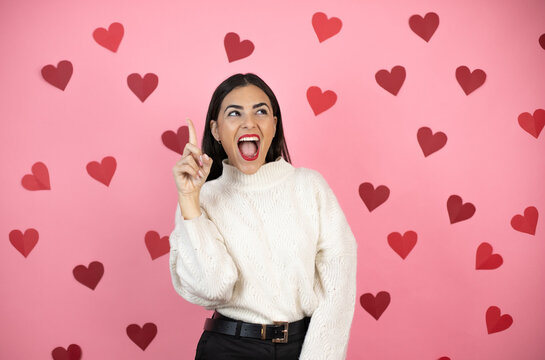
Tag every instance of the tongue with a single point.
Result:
(248, 148)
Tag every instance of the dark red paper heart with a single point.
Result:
(142, 336)
(542, 41)
(375, 305)
(532, 124)
(485, 260)
(90, 276)
(495, 322)
(176, 141)
(235, 48)
(526, 223)
(72, 353)
(372, 197)
(324, 27)
(142, 87)
(402, 244)
(24, 243)
(424, 26)
(470, 81)
(103, 171)
(39, 179)
(58, 76)
(157, 246)
(457, 211)
(111, 38)
(429, 142)
(391, 81)
(320, 102)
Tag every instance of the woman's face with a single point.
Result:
(246, 110)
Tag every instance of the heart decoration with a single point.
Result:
(72, 353)
(142, 87)
(324, 27)
(90, 276)
(157, 246)
(39, 179)
(375, 305)
(485, 260)
(176, 141)
(444, 358)
(532, 124)
(58, 76)
(542, 41)
(142, 336)
(470, 80)
(391, 81)
(424, 26)
(111, 38)
(320, 102)
(429, 142)
(103, 171)
(457, 211)
(235, 48)
(372, 197)
(402, 244)
(526, 223)
(24, 243)
(495, 322)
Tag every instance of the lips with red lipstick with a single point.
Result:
(248, 146)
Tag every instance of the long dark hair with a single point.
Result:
(214, 149)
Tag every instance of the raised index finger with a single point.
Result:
(192, 132)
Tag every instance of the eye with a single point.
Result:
(264, 111)
(234, 111)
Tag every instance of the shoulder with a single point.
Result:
(311, 178)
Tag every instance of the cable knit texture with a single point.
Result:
(274, 245)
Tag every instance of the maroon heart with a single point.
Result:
(235, 48)
(457, 211)
(89, 276)
(176, 141)
(372, 197)
(470, 80)
(72, 353)
(58, 76)
(391, 81)
(375, 305)
(424, 26)
(24, 243)
(430, 142)
(157, 246)
(142, 336)
(142, 87)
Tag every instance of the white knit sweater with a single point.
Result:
(274, 245)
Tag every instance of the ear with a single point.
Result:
(214, 128)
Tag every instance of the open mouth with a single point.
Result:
(249, 149)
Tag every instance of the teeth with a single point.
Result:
(252, 138)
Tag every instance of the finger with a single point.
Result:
(190, 160)
(195, 152)
(190, 170)
(192, 132)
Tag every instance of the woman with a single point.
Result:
(263, 243)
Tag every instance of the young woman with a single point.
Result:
(263, 243)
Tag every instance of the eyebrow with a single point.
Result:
(240, 107)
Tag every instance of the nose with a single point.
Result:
(249, 121)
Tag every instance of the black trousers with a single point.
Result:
(217, 346)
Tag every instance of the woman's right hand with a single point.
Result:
(188, 173)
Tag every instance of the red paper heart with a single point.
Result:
(393, 81)
(429, 142)
(157, 246)
(235, 48)
(324, 27)
(176, 141)
(24, 243)
(320, 102)
(39, 179)
(103, 171)
(424, 26)
(372, 197)
(470, 81)
(532, 124)
(402, 245)
(142, 336)
(89, 276)
(542, 41)
(375, 305)
(495, 322)
(444, 358)
(458, 211)
(528, 222)
(142, 87)
(73, 353)
(58, 76)
(485, 260)
(111, 38)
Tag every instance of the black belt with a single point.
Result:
(279, 332)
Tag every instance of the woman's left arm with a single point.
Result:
(335, 282)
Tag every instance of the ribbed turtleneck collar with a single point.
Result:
(267, 175)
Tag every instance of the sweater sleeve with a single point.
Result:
(335, 282)
(201, 268)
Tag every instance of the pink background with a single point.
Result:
(439, 299)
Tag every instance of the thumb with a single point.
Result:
(207, 162)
